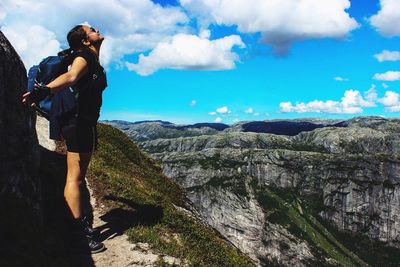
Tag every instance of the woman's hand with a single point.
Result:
(26, 99)
(38, 93)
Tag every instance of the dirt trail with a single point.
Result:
(120, 252)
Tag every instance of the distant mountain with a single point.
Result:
(151, 130)
(290, 128)
(216, 126)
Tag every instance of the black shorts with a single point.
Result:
(80, 136)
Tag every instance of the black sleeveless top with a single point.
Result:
(90, 88)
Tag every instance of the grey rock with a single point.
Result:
(20, 192)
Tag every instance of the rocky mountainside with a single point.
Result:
(327, 196)
(20, 193)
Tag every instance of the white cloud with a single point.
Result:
(280, 22)
(212, 113)
(341, 79)
(387, 18)
(193, 103)
(129, 26)
(353, 98)
(31, 48)
(352, 102)
(218, 119)
(205, 34)
(256, 114)
(391, 101)
(384, 85)
(184, 51)
(371, 95)
(387, 76)
(386, 55)
(249, 110)
(223, 110)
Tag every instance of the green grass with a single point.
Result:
(135, 182)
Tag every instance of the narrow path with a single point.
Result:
(120, 252)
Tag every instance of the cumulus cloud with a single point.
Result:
(249, 110)
(351, 103)
(223, 110)
(129, 26)
(388, 76)
(341, 79)
(391, 101)
(353, 98)
(212, 113)
(387, 18)
(386, 55)
(185, 51)
(218, 120)
(32, 49)
(193, 103)
(279, 22)
(384, 85)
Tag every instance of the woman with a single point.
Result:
(88, 77)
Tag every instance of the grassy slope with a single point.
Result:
(129, 182)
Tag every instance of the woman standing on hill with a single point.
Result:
(87, 76)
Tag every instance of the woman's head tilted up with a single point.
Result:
(84, 36)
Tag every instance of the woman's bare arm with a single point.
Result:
(78, 68)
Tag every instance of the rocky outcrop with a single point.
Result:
(347, 176)
(20, 209)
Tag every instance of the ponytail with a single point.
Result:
(75, 37)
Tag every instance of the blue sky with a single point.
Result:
(189, 61)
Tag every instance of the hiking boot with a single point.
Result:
(87, 226)
(94, 246)
(87, 236)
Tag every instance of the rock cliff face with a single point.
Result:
(257, 188)
(20, 209)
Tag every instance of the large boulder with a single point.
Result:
(20, 190)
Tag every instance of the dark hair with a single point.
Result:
(75, 37)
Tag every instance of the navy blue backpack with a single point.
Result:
(58, 106)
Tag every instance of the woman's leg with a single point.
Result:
(77, 164)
